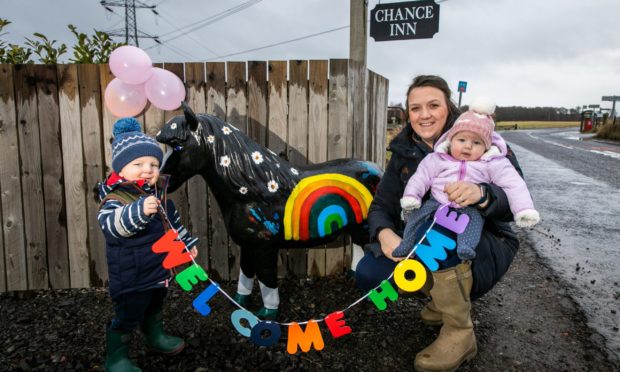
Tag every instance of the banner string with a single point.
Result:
(355, 303)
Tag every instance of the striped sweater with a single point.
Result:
(130, 234)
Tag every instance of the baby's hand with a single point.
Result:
(193, 252)
(150, 205)
(408, 203)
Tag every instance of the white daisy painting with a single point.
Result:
(243, 190)
(272, 186)
(295, 171)
(257, 157)
(226, 130)
(211, 139)
(225, 161)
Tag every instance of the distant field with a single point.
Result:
(507, 125)
(501, 125)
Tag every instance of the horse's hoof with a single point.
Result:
(267, 314)
(243, 300)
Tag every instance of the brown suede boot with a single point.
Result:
(456, 342)
(430, 315)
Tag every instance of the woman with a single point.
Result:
(431, 113)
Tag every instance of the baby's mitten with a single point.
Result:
(527, 218)
(409, 202)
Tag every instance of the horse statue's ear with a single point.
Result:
(190, 117)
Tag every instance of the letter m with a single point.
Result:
(297, 337)
(177, 254)
(436, 251)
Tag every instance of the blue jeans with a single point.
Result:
(373, 269)
(132, 308)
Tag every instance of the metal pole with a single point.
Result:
(460, 94)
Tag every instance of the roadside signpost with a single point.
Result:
(613, 99)
(462, 89)
(403, 21)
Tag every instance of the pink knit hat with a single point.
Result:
(477, 120)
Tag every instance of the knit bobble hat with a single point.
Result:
(130, 143)
(477, 119)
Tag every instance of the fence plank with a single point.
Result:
(154, 118)
(381, 102)
(358, 108)
(53, 187)
(32, 186)
(317, 144)
(12, 217)
(179, 197)
(73, 167)
(196, 186)
(108, 119)
(338, 140)
(90, 103)
(236, 114)
(277, 127)
(298, 141)
(216, 105)
(257, 101)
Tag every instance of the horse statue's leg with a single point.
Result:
(262, 262)
(357, 255)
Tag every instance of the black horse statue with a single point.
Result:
(266, 203)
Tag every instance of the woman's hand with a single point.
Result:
(389, 240)
(193, 252)
(463, 193)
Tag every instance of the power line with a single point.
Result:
(280, 43)
(199, 42)
(183, 31)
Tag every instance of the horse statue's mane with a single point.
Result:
(243, 164)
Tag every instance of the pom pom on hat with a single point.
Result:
(125, 125)
(477, 120)
(482, 105)
(130, 143)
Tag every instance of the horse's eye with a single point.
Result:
(173, 126)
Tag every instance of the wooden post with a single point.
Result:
(357, 77)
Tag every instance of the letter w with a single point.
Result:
(177, 254)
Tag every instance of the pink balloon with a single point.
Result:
(164, 89)
(131, 64)
(124, 99)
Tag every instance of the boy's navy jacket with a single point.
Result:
(130, 234)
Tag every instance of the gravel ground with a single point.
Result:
(526, 323)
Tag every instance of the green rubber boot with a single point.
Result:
(156, 339)
(267, 314)
(243, 300)
(117, 358)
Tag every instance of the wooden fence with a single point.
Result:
(55, 136)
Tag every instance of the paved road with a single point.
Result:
(574, 182)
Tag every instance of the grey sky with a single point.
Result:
(526, 52)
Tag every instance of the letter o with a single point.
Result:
(236, 317)
(274, 330)
(406, 284)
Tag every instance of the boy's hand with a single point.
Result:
(193, 252)
(150, 205)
